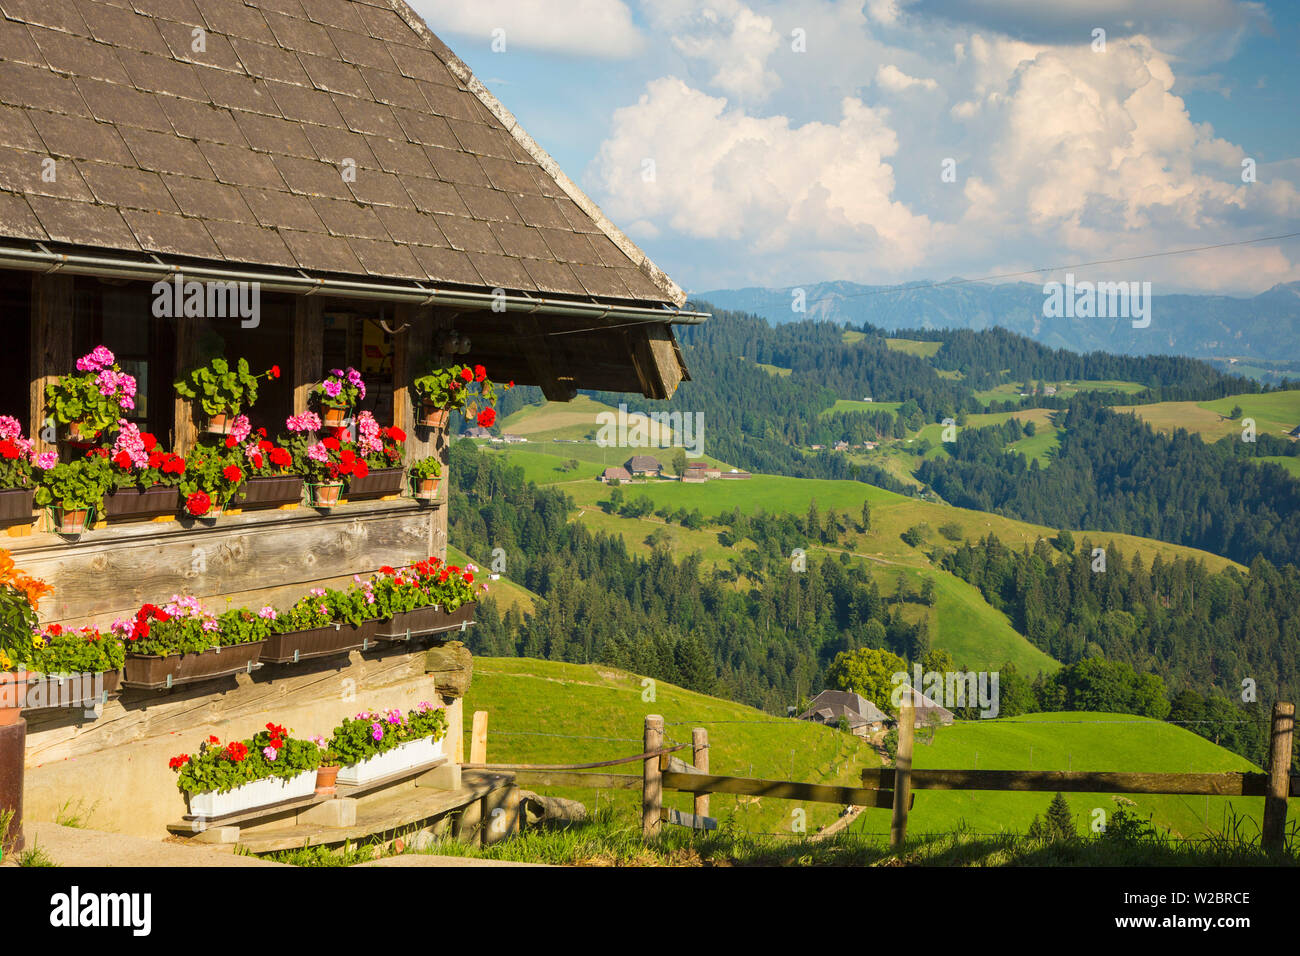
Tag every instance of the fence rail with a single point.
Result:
(892, 788)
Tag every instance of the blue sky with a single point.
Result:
(742, 142)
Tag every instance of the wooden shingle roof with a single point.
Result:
(220, 130)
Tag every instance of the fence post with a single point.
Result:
(478, 738)
(1279, 776)
(652, 791)
(902, 773)
(700, 757)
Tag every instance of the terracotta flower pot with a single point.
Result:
(426, 489)
(327, 779)
(71, 520)
(335, 416)
(13, 690)
(325, 495)
(77, 434)
(434, 417)
(220, 424)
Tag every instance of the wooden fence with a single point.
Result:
(892, 788)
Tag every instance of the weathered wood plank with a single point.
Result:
(592, 780)
(779, 789)
(1231, 784)
(308, 349)
(53, 344)
(241, 553)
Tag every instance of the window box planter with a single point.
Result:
(16, 506)
(271, 492)
(295, 646)
(413, 753)
(426, 620)
(259, 793)
(378, 484)
(48, 691)
(155, 672)
(324, 496)
(153, 502)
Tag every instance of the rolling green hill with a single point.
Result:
(549, 712)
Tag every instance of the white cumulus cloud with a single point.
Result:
(597, 28)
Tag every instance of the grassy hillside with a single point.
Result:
(549, 712)
(1275, 413)
(1070, 741)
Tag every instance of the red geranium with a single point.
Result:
(230, 441)
(487, 417)
(480, 373)
(232, 473)
(467, 374)
(177, 762)
(275, 371)
(236, 751)
(121, 459)
(150, 442)
(198, 504)
(280, 457)
(9, 449)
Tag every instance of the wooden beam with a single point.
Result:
(700, 754)
(540, 360)
(778, 789)
(902, 776)
(1231, 784)
(588, 779)
(1273, 832)
(53, 346)
(308, 349)
(652, 794)
(478, 738)
(186, 433)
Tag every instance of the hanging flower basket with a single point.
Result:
(220, 424)
(335, 416)
(424, 489)
(324, 495)
(72, 520)
(432, 416)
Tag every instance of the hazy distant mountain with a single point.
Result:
(1265, 326)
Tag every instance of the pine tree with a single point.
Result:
(1060, 822)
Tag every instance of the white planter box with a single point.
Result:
(402, 757)
(259, 793)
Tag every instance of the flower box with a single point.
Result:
(413, 753)
(259, 793)
(154, 671)
(425, 620)
(70, 690)
(152, 502)
(380, 483)
(294, 646)
(271, 491)
(16, 506)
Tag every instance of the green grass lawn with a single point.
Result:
(551, 713)
(852, 405)
(1290, 464)
(1070, 741)
(1275, 413)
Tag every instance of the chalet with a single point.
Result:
(615, 474)
(644, 466)
(927, 710)
(830, 706)
(841, 446)
(512, 439)
(338, 173)
(476, 431)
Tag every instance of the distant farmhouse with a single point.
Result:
(644, 466)
(830, 706)
(476, 431)
(735, 473)
(616, 473)
(925, 707)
